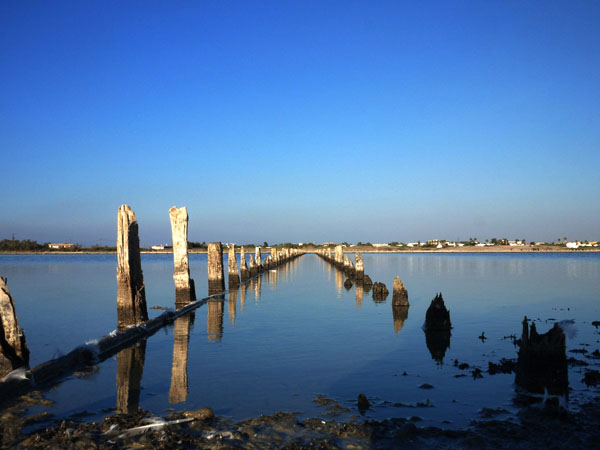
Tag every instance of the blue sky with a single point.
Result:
(301, 121)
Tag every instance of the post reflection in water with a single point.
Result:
(179, 379)
(400, 315)
(438, 341)
(243, 291)
(130, 367)
(215, 319)
(339, 281)
(360, 293)
(257, 285)
(232, 305)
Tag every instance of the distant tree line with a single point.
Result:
(9, 245)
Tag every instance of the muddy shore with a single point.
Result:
(534, 427)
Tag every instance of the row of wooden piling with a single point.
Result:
(131, 296)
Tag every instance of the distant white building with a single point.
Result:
(62, 245)
(572, 244)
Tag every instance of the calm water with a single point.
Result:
(296, 333)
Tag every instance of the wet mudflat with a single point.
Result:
(292, 337)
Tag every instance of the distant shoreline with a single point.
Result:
(494, 249)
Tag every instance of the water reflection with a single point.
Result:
(339, 280)
(400, 314)
(232, 305)
(215, 319)
(179, 379)
(243, 291)
(130, 367)
(257, 286)
(359, 293)
(438, 341)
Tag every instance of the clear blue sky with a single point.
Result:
(301, 121)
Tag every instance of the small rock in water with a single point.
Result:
(200, 414)
(380, 291)
(591, 378)
(363, 402)
(596, 323)
(426, 386)
(348, 284)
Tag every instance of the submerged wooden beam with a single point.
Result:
(131, 294)
(185, 291)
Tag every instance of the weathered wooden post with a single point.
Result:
(179, 378)
(13, 347)
(216, 277)
(360, 267)
(244, 271)
(131, 294)
(234, 277)
(274, 261)
(130, 368)
(253, 268)
(258, 260)
(339, 256)
(185, 291)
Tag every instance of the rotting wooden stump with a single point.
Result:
(380, 292)
(13, 346)
(216, 276)
(348, 284)
(437, 328)
(367, 283)
(542, 361)
(400, 294)
(437, 316)
(131, 294)
(185, 291)
(234, 277)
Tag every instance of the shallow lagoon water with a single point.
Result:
(293, 334)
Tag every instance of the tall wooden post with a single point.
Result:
(184, 285)
(216, 277)
(131, 294)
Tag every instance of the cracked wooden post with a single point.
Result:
(185, 291)
(360, 267)
(234, 277)
(216, 277)
(274, 261)
(339, 256)
(131, 294)
(13, 347)
(253, 268)
(258, 260)
(244, 271)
